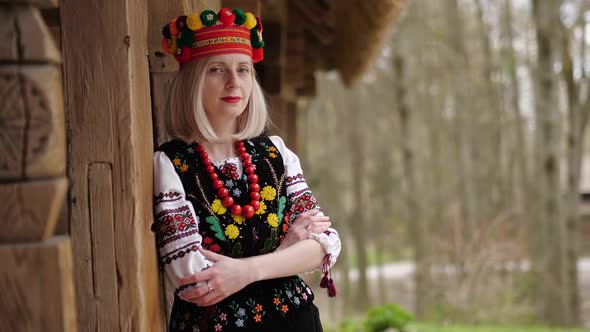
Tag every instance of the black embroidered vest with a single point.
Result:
(235, 237)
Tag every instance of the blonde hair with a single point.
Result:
(186, 118)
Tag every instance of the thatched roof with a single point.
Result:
(331, 34)
(361, 27)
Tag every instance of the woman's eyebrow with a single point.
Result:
(226, 64)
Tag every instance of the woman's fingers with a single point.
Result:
(319, 227)
(194, 278)
(312, 222)
(306, 214)
(194, 293)
(210, 255)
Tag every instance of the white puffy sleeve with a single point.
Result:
(301, 199)
(175, 223)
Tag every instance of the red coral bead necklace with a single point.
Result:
(248, 210)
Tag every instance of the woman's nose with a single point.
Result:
(232, 80)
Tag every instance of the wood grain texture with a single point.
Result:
(102, 240)
(161, 83)
(109, 123)
(36, 3)
(37, 286)
(30, 209)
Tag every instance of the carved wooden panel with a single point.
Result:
(36, 283)
(32, 137)
(12, 124)
(36, 271)
(35, 41)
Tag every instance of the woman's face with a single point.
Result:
(227, 86)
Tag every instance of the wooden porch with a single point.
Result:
(84, 88)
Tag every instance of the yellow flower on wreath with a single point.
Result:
(232, 232)
(262, 208)
(176, 161)
(184, 168)
(273, 220)
(238, 219)
(268, 193)
(218, 207)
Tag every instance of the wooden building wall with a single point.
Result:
(36, 271)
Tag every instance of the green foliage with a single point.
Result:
(349, 325)
(387, 316)
(423, 327)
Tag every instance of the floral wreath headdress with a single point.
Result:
(204, 34)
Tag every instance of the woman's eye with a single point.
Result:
(244, 70)
(215, 70)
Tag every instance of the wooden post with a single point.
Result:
(110, 148)
(36, 271)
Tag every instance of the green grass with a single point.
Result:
(423, 327)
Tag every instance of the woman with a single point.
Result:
(234, 219)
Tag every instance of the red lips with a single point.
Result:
(231, 99)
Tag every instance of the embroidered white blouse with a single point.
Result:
(170, 199)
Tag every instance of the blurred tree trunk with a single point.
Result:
(520, 147)
(459, 66)
(577, 117)
(548, 250)
(359, 220)
(493, 164)
(411, 197)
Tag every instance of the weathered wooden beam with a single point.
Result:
(110, 163)
(37, 286)
(36, 3)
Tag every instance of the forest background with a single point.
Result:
(454, 170)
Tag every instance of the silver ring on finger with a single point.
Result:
(209, 286)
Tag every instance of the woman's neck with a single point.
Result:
(225, 148)
(219, 151)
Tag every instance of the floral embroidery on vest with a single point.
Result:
(232, 235)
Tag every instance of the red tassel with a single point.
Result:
(331, 288)
(324, 281)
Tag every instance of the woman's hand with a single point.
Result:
(308, 222)
(226, 276)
